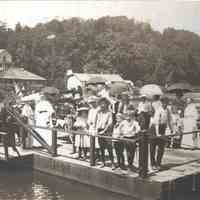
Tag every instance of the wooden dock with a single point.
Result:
(181, 170)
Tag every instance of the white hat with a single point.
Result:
(143, 96)
(69, 72)
(82, 109)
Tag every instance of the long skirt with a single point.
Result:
(190, 140)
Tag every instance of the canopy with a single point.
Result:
(176, 87)
(96, 80)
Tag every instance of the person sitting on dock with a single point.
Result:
(104, 128)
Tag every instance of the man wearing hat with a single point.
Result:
(104, 126)
(162, 120)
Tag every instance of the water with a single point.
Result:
(28, 185)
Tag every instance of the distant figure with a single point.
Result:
(190, 124)
(144, 112)
(72, 83)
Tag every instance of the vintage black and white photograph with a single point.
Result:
(100, 100)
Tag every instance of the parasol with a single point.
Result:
(150, 90)
(177, 87)
(96, 80)
(50, 90)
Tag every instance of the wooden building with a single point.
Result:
(10, 74)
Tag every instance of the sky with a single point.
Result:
(180, 14)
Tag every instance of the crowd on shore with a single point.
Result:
(118, 117)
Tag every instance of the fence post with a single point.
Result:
(54, 142)
(92, 150)
(143, 155)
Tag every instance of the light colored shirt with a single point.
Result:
(104, 119)
(27, 111)
(43, 113)
(156, 105)
(92, 118)
(130, 128)
(73, 83)
(144, 107)
(161, 116)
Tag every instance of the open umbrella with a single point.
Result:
(96, 80)
(118, 88)
(150, 90)
(50, 90)
(176, 87)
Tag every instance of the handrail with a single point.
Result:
(29, 129)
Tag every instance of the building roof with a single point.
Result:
(2, 50)
(84, 77)
(15, 73)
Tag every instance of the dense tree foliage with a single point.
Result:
(107, 45)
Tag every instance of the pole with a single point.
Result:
(143, 155)
(92, 150)
(54, 142)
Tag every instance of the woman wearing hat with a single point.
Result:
(82, 142)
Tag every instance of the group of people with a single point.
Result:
(116, 122)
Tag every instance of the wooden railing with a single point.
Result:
(143, 139)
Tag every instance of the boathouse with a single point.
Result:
(9, 73)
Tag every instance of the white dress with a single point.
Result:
(190, 124)
(81, 140)
(92, 117)
(27, 111)
(43, 118)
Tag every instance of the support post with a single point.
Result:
(92, 150)
(54, 142)
(143, 155)
(5, 144)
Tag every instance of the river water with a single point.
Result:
(29, 185)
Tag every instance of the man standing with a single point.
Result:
(104, 126)
(162, 120)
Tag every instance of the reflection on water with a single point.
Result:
(28, 185)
